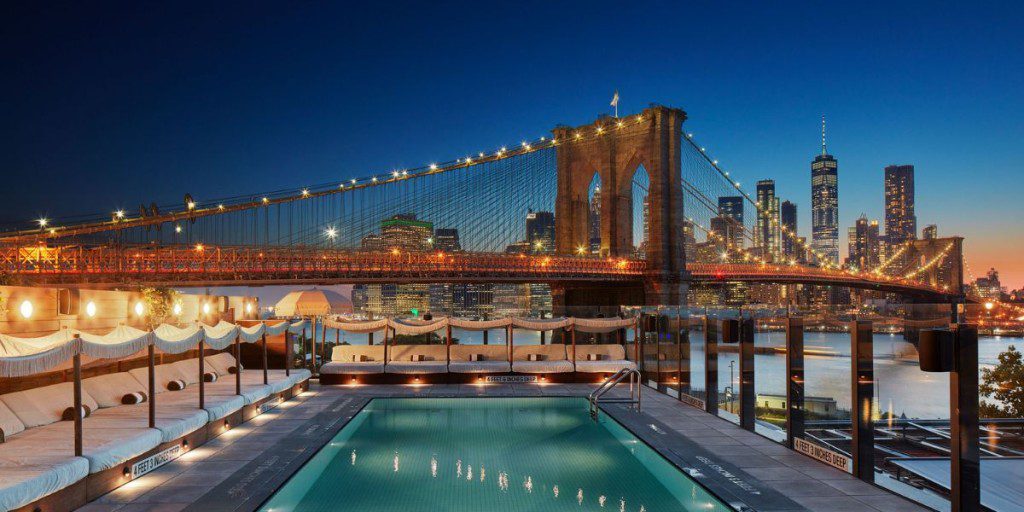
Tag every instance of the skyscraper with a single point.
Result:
(863, 242)
(787, 215)
(447, 239)
(900, 221)
(825, 203)
(540, 231)
(595, 222)
(731, 207)
(930, 232)
(766, 234)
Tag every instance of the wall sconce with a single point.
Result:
(26, 309)
(90, 309)
(140, 308)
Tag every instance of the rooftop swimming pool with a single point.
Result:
(480, 454)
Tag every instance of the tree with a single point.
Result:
(1005, 384)
(160, 304)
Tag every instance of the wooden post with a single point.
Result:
(238, 365)
(684, 356)
(77, 389)
(152, 385)
(508, 337)
(572, 337)
(263, 341)
(485, 336)
(202, 374)
(323, 343)
(794, 379)
(369, 337)
(710, 365)
(862, 447)
(636, 344)
(963, 435)
(287, 353)
(448, 344)
(748, 400)
(543, 335)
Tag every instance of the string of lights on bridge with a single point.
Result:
(192, 208)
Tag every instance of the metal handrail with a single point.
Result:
(595, 397)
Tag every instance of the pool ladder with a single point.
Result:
(609, 384)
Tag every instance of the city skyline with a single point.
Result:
(186, 128)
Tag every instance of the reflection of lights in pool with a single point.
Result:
(579, 496)
(601, 499)
(396, 462)
(483, 473)
(555, 490)
(469, 472)
(528, 484)
(353, 457)
(433, 466)
(458, 468)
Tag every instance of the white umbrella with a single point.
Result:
(313, 302)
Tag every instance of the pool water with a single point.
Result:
(486, 454)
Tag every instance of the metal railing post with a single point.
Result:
(794, 379)
(965, 461)
(748, 400)
(710, 365)
(862, 447)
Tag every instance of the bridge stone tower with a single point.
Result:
(614, 149)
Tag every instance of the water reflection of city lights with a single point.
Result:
(353, 457)
(433, 466)
(579, 496)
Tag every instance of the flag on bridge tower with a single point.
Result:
(615, 103)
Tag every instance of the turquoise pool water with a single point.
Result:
(487, 454)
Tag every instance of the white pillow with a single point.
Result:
(164, 374)
(189, 370)
(221, 363)
(9, 422)
(45, 405)
(108, 390)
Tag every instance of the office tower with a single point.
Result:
(767, 232)
(787, 215)
(731, 207)
(930, 232)
(864, 248)
(540, 231)
(825, 203)
(900, 221)
(447, 239)
(595, 222)
(689, 241)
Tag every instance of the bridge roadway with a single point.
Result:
(212, 266)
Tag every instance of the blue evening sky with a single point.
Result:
(110, 106)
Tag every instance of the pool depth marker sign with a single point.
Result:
(832, 458)
(506, 379)
(154, 461)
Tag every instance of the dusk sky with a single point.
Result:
(108, 107)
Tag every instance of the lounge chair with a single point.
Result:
(551, 359)
(355, 360)
(603, 358)
(417, 359)
(490, 359)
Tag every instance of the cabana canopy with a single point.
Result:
(313, 302)
(417, 326)
(26, 356)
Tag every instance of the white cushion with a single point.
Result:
(300, 375)
(172, 420)
(164, 374)
(609, 366)
(45, 405)
(416, 367)
(334, 368)
(218, 403)
(104, 446)
(561, 366)
(221, 363)
(23, 484)
(479, 366)
(353, 353)
(406, 353)
(251, 392)
(607, 351)
(189, 370)
(108, 390)
(489, 352)
(9, 422)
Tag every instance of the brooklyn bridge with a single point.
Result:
(633, 205)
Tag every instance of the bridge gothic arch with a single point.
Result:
(614, 149)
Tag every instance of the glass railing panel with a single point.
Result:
(728, 365)
(770, 403)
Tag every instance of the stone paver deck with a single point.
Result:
(206, 476)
